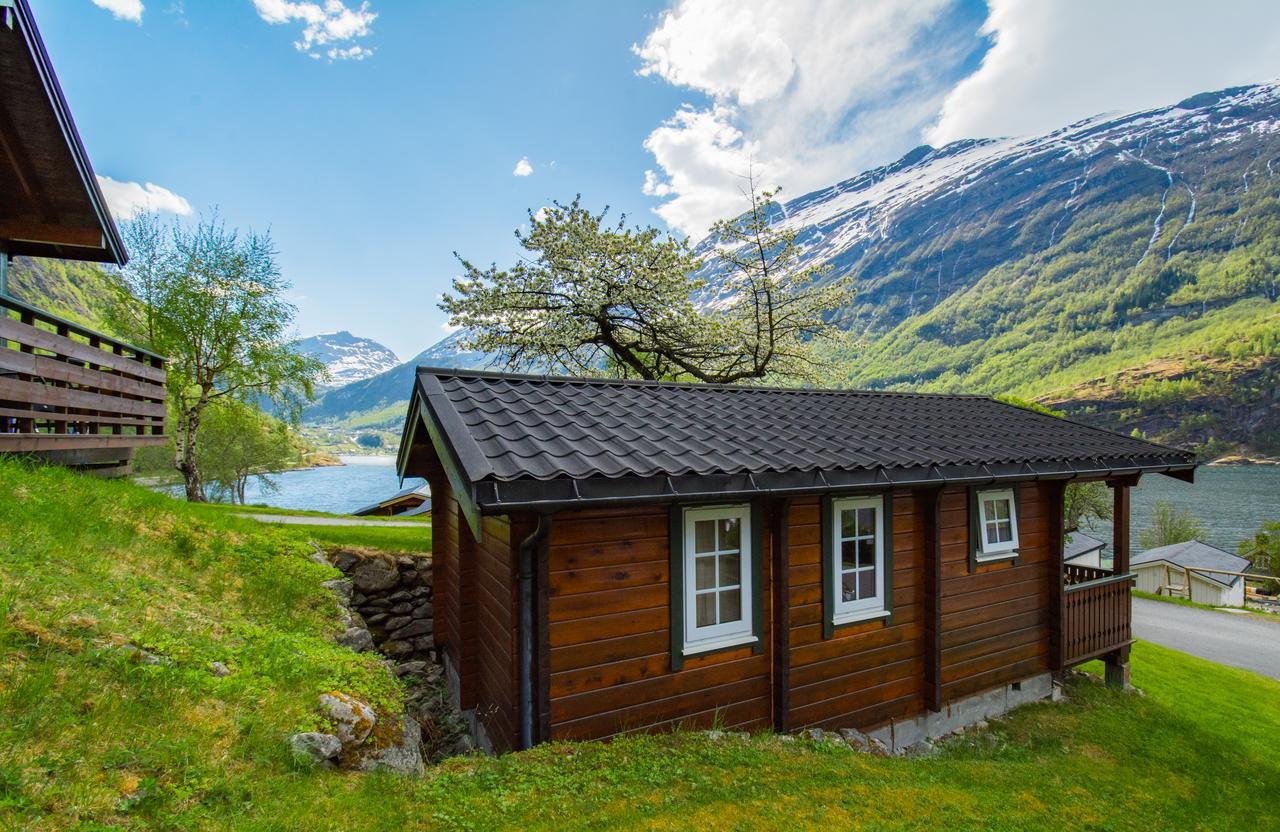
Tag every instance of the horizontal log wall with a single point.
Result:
(609, 636)
(995, 617)
(868, 672)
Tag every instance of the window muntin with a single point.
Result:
(997, 523)
(717, 580)
(858, 567)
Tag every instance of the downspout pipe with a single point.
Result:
(528, 558)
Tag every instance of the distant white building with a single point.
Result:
(1080, 549)
(1166, 565)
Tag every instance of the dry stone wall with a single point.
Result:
(393, 597)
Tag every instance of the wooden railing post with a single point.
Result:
(1117, 663)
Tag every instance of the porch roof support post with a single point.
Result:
(933, 599)
(1117, 663)
(780, 576)
(1057, 578)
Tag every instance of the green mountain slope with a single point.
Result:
(81, 292)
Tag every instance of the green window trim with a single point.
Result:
(829, 584)
(976, 558)
(676, 546)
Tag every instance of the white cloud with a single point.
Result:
(541, 213)
(325, 25)
(122, 9)
(803, 94)
(128, 199)
(523, 168)
(1055, 62)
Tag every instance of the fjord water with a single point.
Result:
(1231, 501)
(339, 489)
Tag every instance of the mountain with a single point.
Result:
(1125, 268)
(347, 358)
(81, 292)
(391, 386)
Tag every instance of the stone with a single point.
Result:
(358, 598)
(343, 560)
(393, 624)
(377, 618)
(815, 734)
(424, 643)
(420, 592)
(374, 575)
(219, 669)
(354, 720)
(854, 738)
(413, 628)
(423, 610)
(715, 734)
(374, 605)
(403, 608)
(358, 639)
(408, 668)
(314, 748)
(405, 561)
(404, 757)
(137, 654)
(340, 587)
(400, 595)
(394, 647)
(317, 556)
(408, 576)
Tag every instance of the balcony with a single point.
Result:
(73, 396)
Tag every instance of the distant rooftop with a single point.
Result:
(1193, 553)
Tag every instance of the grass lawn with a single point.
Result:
(92, 740)
(297, 512)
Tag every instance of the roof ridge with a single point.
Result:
(496, 375)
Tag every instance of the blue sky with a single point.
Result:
(376, 139)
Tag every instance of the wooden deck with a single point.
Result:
(73, 396)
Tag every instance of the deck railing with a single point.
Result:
(1075, 574)
(72, 395)
(1096, 616)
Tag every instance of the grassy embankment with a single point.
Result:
(90, 739)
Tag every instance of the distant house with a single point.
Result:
(1157, 569)
(1082, 550)
(402, 502)
(616, 556)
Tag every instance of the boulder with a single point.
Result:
(420, 627)
(314, 748)
(353, 719)
(340, 587)
(395, 647)
(393, 624)
(425, 610)
(374, 575)
(137, 654)
(219, 669)
(404, 757)
(357, 638)
(343, 560)
(408, 668)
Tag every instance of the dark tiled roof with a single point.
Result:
(1193, 553)
(1079, 543)
(508, 428)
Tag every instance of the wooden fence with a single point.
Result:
(75, 396)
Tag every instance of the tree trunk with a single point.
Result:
(193, 482)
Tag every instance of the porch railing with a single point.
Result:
(1073, 574)
(1096, 616)
(72, 395)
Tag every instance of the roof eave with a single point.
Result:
(113, 250)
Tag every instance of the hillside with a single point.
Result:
(81, 292)
(1030, 266)
(93, 739)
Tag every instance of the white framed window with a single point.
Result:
(858, 559)
(997, 524)
(717, 578)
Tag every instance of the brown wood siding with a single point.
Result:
(609, 635)
(996, 617)
(496, 620)
(868, 672)
(462, 623)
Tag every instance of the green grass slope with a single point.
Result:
(92, 740)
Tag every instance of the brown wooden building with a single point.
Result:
(620, 556)
(68, 393)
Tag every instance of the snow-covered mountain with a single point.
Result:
(347, 357)
(989, 262)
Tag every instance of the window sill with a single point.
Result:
(996, 557)
(719, 644)
(856, 617)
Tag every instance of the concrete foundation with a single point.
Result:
(901, 734)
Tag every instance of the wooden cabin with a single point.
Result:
(616, 556)
(68, 394)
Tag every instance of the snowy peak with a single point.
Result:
(347, 357)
